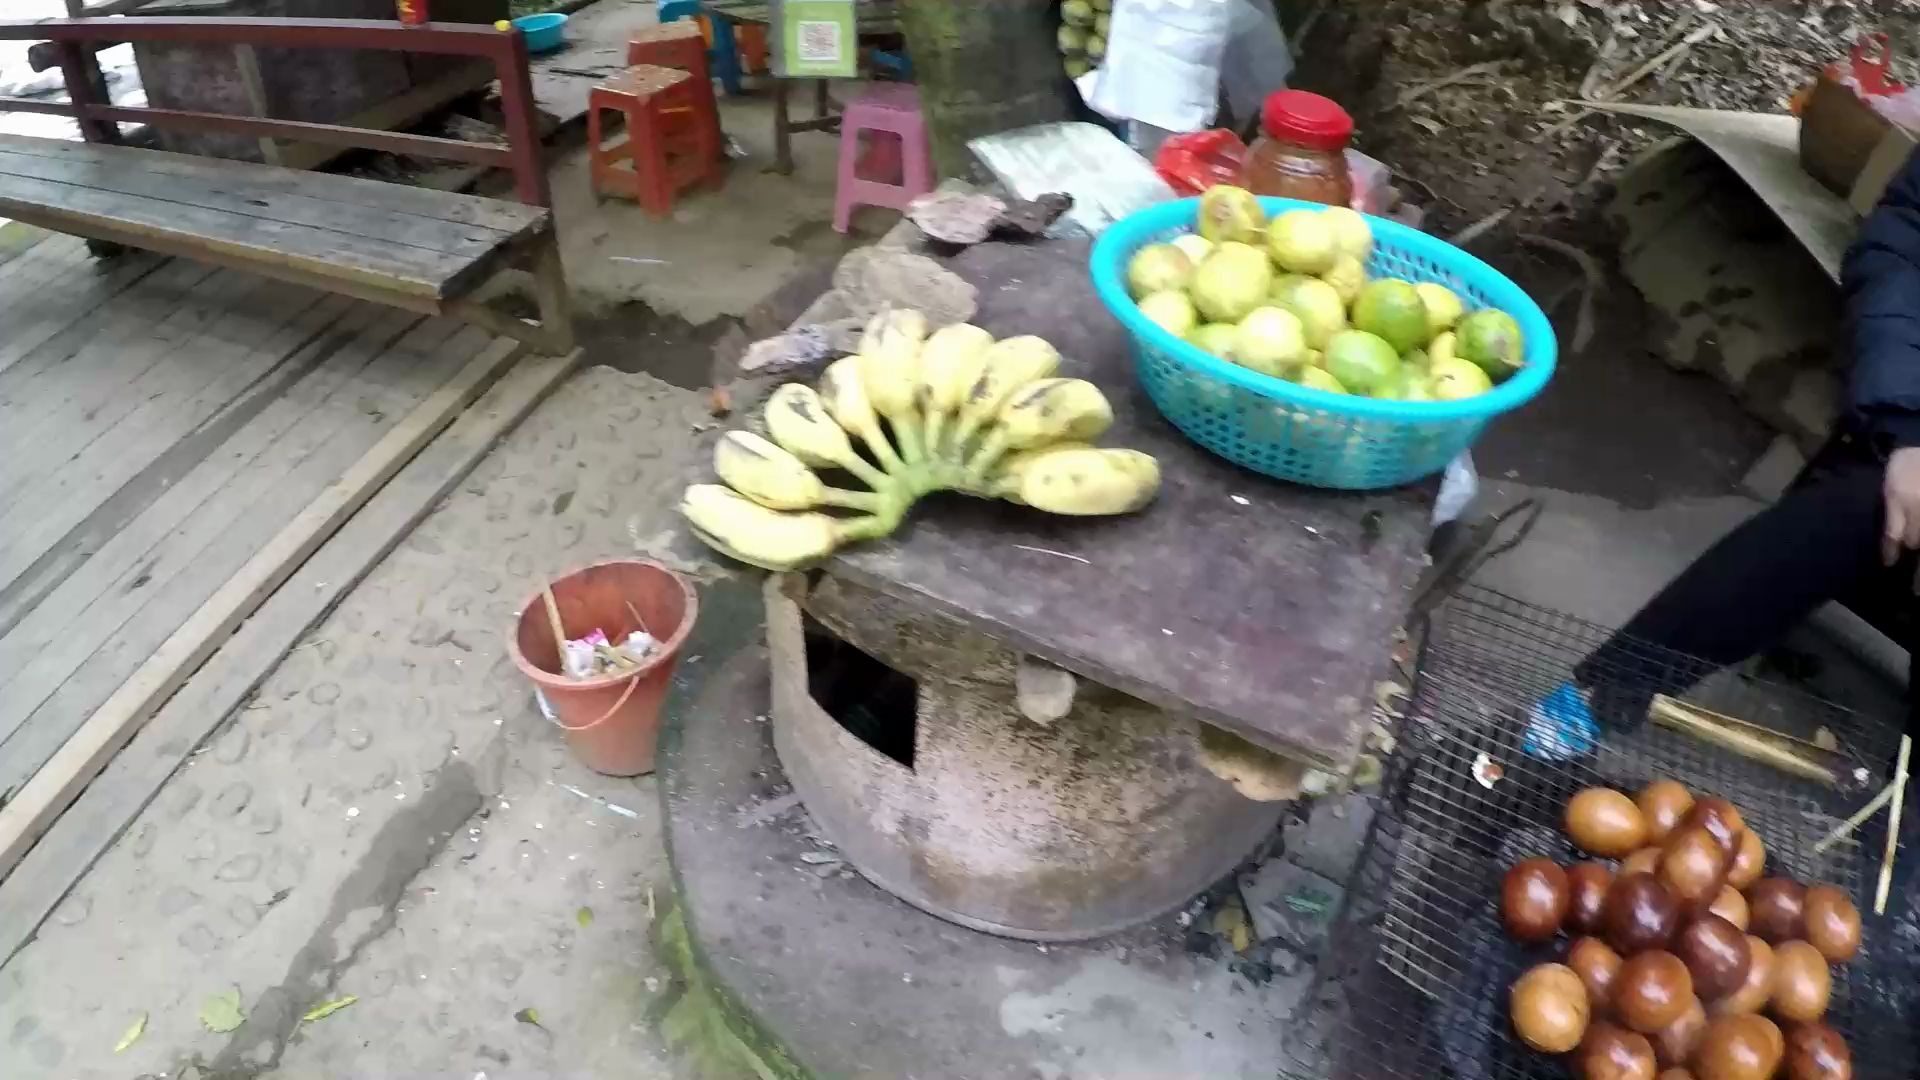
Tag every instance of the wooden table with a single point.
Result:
(1261, 607)
(875, 21)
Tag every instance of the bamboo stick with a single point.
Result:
(1846, 827)
(1893, 827)
(1677, 716)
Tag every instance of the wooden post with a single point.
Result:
(86, 86)
(247, 59)
(985, 66)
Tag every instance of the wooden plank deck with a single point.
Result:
(160, 422)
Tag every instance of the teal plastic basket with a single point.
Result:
(1310, 436)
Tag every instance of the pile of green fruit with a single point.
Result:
(1291, 298)
(951, 411)
(1083, 34)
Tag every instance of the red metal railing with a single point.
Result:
(75, 40)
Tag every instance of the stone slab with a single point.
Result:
(854, 983)
(1260, 606)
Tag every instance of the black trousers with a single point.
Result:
(1819, 542)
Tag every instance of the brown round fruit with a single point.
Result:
(1753, 993)
(1738, 1048)
(1644, 861)
(1675, 1074)
(1719, 817)
(1606, 823)
(1817, 1052)
(1749, 862)
(1693, 868)
(1833, 923)
(1533, 900)
(1641, 914)
(1663, 803)
(1716, 955)
(1614, 1053)
(1731, 906)
(1549, 1008)
(1802, 984)
(1779, 910)
(1587, 884)
(1597, 965)
(1675, 1043)
(1652, 991)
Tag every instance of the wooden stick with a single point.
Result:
(553, 622)
(1677, 716)
(1758, 730)
(1413, 93)
(40, 800)
(1893, 826)
(1846, 827)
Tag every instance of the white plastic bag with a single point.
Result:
(1163, 62)
(1458, 488)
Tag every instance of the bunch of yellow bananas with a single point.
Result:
(954, 411)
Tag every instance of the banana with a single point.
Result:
(1047, 411)
(798, 420)
(777, 540)
(1004, 483)
(777, 479)
(845, 394)
(890, 367)
(1011, 364)
(950, 363)
(1083, 481)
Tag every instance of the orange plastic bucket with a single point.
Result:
(611, 722)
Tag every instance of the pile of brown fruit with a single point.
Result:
(1683, 958)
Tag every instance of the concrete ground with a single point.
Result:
(390, 819)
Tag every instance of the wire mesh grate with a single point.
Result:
(1415, 979)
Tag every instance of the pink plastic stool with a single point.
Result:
(887, 107)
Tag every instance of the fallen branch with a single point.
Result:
(1474, 231)
(1659, 60)
(1599, 63)
(1696, 36)
(1418, 90)
(1589, 294)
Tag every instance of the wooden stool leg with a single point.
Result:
(647, 150)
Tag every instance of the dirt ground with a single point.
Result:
(1463, 96)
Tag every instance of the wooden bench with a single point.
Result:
(412, 248)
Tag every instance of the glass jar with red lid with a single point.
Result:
(1302, 151)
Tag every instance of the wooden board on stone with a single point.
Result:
(1262, 607)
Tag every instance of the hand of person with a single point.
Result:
(1902, 491)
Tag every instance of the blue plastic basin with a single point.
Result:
(545, 32)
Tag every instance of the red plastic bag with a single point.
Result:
(1193, 162)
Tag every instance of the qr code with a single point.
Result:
(819, 42)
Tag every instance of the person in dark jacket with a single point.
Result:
(1848, 529)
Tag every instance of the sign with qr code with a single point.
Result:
(818, 39)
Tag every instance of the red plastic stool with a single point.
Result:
(670, 142)
(682, 46)
(671, 45)
(883, 107)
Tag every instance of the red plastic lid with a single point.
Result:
(1306, 119)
